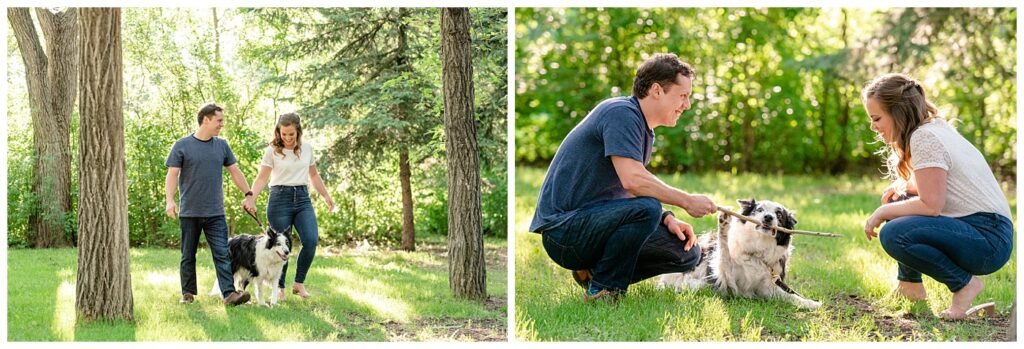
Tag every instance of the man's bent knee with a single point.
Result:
(650, 207)
(692, 257)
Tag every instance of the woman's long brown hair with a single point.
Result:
(904, 99)
(287, 119)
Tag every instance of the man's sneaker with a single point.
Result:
(602, 296)
(187, 298)
(582, 277)
(236, 298)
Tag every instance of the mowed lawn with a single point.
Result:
(853, 277)
(358, 295)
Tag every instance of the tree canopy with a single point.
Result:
(777, 90)
(260, 63)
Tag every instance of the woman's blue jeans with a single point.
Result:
(950, 250)
(290, 207)
(621, 241)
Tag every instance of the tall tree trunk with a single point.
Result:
(404, 172)
(104, 289)
(466, 273)
(408, 225)
(52, 83)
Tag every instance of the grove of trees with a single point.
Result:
(777, 90)
(367, 82)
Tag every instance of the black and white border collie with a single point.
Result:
(745, 259)
(257, 259)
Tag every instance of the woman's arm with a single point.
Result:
(318, 184)
(261, 180)
(931, 199)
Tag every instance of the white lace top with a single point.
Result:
(970, 185)
(289, 169)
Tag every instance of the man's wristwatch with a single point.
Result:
(666, 213)
(248, 193)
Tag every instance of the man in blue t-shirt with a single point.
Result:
(599, 209)
(197, 163)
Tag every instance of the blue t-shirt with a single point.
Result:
(582, 174)
(201, 180)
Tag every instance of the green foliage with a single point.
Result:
(367, 81)
(258, 64)
(777, 90)
(850, 275)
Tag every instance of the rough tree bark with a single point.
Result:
(404, 168)
(408, 223)
(104, 290)
(52, 77)
(466, 272)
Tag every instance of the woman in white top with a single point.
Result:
(290, 166)
(947, 217)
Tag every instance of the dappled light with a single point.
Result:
(379, 295)
(376, 296)
(849, 275)
(65, 316)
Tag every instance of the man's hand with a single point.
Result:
(700, 205)
(249, 204)
(172, 210)
(682, 230)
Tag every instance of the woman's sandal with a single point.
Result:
(980, 310)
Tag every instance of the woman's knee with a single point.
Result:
(892, 233)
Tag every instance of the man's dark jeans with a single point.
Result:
(216, 229)
(621, 241)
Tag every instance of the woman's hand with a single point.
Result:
(889, 195)
(330, 205)
(874, 222)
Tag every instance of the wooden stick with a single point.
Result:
(784, 230)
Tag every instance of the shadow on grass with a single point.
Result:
(379, 296)
(32, 304)
(836, 272)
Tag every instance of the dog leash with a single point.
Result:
(254, 217)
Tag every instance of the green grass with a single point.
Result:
(374, 295)
(850, 275)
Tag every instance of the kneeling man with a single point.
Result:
(599, 209)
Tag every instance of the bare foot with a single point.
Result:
(280, 294)
(300, 290)
(913, 291)
(962, 300)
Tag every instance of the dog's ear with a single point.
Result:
(789, 219)
(747, 206)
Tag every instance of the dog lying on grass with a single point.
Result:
(745, 259)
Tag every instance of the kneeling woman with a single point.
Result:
(955, 221)
(290, 167)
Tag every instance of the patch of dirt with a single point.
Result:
(446, 328)
(479, 330)
(907, 326)
(442, 329)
